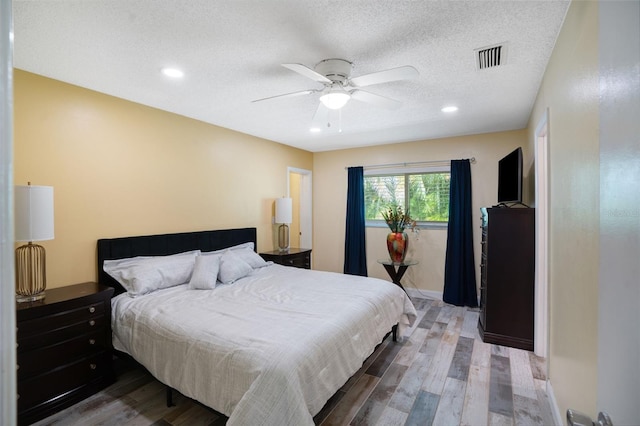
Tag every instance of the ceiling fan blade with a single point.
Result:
(394, 74)
(288, 95)
(377, 100)
(307, 72)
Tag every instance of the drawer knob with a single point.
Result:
(92, 309)
(93, 366)
(92, 323)
(92, 341)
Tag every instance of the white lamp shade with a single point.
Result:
(33, 213)
(283, 210)
(335, 99)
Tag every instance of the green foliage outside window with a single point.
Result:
(426, 194)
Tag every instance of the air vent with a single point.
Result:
(491, 57)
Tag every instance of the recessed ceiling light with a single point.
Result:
(172, 72)
(449, 109)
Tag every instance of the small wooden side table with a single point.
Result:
(297, 257)
(396, 270)
(64, 349)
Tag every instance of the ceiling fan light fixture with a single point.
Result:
(335, 98)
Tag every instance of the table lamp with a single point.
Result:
(33, 222)
(283, 216)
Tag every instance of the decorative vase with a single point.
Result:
(397, 244)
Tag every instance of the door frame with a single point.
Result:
(306, 191)
(541, 329)
(7, 257)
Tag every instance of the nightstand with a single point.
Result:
(298, 257)
(64, 349)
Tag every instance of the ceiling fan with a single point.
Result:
(339, 87)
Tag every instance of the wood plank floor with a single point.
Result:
(441, 374)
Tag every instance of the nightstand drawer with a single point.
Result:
(63, 332)
(49, 357)
(296, 257)
(299, 261)
(45, 387)
(61, 319)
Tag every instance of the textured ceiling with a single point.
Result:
(231, 51)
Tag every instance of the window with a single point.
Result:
(425, 193)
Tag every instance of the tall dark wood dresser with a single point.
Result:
(507, 277)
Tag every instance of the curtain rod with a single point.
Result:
(414, 163)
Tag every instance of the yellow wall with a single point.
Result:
(330, 194)
(120, 168)
(570, 91)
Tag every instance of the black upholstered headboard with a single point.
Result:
(160, 245)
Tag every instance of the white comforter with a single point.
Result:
(269, 349)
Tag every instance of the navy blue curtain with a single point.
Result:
(355, 253)
(459, 269)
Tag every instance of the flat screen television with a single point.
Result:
(510, 178)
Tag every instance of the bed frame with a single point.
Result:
(165, 244)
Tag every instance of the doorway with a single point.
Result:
(299, 189)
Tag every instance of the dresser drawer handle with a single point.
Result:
(92, 323)
(92, 309)
(93, 366)
(92, 341)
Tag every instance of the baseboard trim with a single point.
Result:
(557, 417)
(430, 294)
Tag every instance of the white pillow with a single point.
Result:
(248, 245)
(142, 275)
(205, 272)
(251, 257)
(232, 267)
(132, 260)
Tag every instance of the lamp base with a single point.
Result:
(30, 273)
(29, 298)
(283, 238)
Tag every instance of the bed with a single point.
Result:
(270, 347)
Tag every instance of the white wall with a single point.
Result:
(619, 280)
